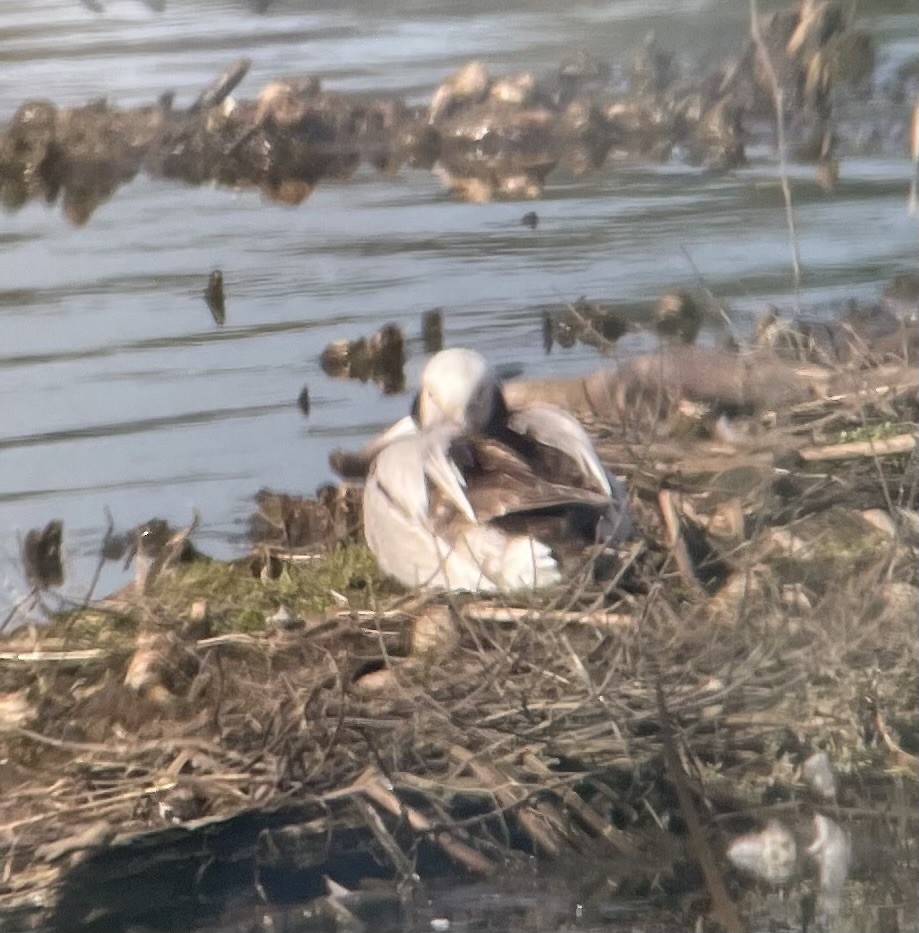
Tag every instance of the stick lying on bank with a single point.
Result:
(883, 447)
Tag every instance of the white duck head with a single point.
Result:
(460, 388)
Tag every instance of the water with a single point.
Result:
(118, 390)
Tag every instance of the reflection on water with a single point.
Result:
(120, 390)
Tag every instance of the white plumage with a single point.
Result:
(462, 496)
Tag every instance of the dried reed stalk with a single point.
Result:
(779, 103)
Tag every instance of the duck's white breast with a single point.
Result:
(459, 555)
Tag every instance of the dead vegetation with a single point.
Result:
(485, 136)
(258, 725)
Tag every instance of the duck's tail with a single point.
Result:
(511, 562)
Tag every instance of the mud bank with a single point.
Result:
(226, 731)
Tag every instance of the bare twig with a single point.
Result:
(778, 99)
(14, 609)
(671, 517)
(913, 203)
(486, 612)
(720, 305)
(385, 838)
(84, 656)
(167, 555)
(100, 562)
(911, 762)
(722, 905)
(372, 785)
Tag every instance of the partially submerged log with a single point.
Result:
(652, 384)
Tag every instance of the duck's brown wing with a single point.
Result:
(562, 450)
(500, 483)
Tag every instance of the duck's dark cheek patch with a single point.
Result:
(497, 423)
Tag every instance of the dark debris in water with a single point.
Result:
(593, 324)
(485, 136)
(677, 314)
(432, 330)
(877, 331)
(214, 296)
(330, 518)
(530, 219)
(41, 555)
(303, 401)
(380, 357)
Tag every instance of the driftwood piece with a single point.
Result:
(385, 838)
(95, 836)
(884, 447)
(309, 845)
(16, 710)
(755, 381)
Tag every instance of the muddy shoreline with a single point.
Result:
(217, 730)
